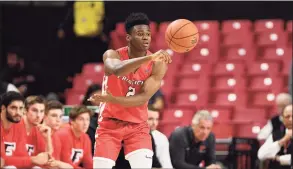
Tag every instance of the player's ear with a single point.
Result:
(128, 37)
(3, 108)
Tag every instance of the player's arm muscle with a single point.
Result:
(113, 64)
(150, 87)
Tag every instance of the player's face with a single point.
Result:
(140, 37)
(35, 113)
(287, 117)
(54, 119)
(14, 111)
(81, 123)
(153, 119)
(203, 129)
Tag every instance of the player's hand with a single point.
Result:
(44, 130)
(41, 159)
(98, 97)
(53, 163)
(162, 56)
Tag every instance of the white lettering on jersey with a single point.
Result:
(10, 147)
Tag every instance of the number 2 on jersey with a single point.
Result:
(131, 91)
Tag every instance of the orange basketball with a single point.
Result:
(181, 35)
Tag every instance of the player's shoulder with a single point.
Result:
(63, 132)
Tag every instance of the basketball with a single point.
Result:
(181, 35)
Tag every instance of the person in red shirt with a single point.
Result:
(132, 76)
(77, 149)
(34, 114)
(13, 134)
(53, 119)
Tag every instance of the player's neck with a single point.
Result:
(76, 133)
(132, 53)
(27, 124)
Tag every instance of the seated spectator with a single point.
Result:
(191, 145)
(278, 146)
(290, 79)
(13, 137)
(78, 149)
(275, 123)
(161, 142)
(157, 101)
(93, 89)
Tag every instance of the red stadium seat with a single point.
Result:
(167, 127)
(228, 69)
(223, 130)
(74, 97)
(265, 83)
(289, 26)
(117, 41)
(203, 54)
(191, 100)
(120, 28)
(183, 115)
(228, 83)
(209, 39)
(248, 130)
(228, 99)
(220, 114)
(250, 115)
(82, 82)
(236, 39)
(163, 27)
(280, 53)
(93, 69)
(193, 84)
(241, 54)
(195, 69)
(263, 68)
(267, 39)
(240, 26)
(207, 26)
(262, 99)
(269, 25)
(160, 42)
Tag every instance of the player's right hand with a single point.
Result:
(41, 158)
(162, 56)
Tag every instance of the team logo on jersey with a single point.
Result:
(131, 82)
(76, 155)
(30, 149)
(9, 148)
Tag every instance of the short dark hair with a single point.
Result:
(78, 110)
(53, 104)
(8, 97)
(30, 100)
(136, 19)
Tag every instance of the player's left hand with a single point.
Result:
(98, 97)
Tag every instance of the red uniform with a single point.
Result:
(35, 141)
(13, 146)
(117, 123)
(75, 150)
(57, 145)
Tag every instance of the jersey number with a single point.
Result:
(131, 91)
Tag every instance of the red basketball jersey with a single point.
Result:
(124, 86)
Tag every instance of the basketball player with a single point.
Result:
(132, 76)
(13, 137)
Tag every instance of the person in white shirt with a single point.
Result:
(278, 146)
(275, 123)
(161, 141)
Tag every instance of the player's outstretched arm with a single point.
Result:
(113, 64)
(151, 86)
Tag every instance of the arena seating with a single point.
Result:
(235, 71)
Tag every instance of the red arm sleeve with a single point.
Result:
(87, 159)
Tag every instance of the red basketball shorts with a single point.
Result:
(112, 132)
